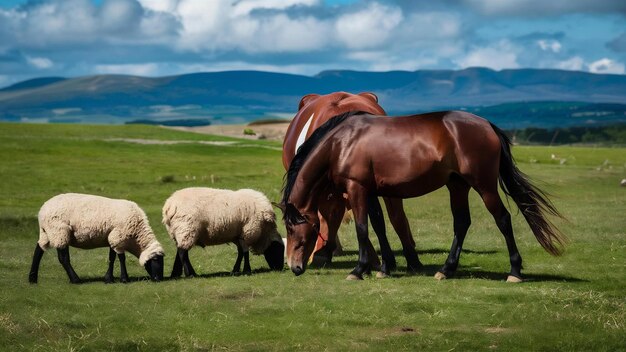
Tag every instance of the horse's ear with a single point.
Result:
(280, 206)
(370, 95)
(305, 99)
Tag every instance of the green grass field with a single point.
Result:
(569, 303)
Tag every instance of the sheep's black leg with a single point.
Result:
(64, 259)
(246, 263)
(123, 273)
(237, 267)
(108, 277)
(177, 269)
(187, 268)
(34, 268)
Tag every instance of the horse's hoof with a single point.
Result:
(513, 279)
(440, 276)
(382, 275)
(353, 277)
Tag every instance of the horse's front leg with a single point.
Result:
(378, 224)
(358, 201)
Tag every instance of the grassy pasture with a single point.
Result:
(571, 303)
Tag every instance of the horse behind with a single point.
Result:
(313, 111)
(409, 156)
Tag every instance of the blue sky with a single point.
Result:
(165, 37)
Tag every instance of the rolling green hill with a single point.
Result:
(243, 96)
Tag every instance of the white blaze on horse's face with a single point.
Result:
(302, 135)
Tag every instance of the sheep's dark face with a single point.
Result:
(154, 267)
(275, 255)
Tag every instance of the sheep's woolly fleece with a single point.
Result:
(88, 221)
(207, 216)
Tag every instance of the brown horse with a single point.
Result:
(408, 156)
(313, 111)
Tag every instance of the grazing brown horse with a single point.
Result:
(408, 156)
(313, 111)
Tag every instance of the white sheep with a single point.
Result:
(207, 216)
(87, 221)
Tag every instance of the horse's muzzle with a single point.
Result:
(298, 270)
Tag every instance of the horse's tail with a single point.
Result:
(532, 202)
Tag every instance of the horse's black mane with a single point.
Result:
(290, 214)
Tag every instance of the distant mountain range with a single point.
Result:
(242, 96)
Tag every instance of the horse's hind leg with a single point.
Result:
(64, 259)
(459, 205)
(503, 220)
(400, 223)
(378, 224)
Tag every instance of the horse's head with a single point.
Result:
(302, 231)
(329, 105)
(314, 110)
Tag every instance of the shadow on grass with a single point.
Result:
(501, 276)
(425, 251)
(461, 273)
(100, 279)
(347, 266)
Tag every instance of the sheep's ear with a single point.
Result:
(305, 99)
(370, 95)
(280, 206)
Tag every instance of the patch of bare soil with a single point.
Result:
(271, 131)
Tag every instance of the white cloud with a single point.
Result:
(159, 5)
(498, 56)
(120, 15)
(76, 37)
(549, 45)
(280, 33)
(228, 25)
(575, 63)
(244, 7)
(606, 66)
(431, 25)
(41, 63)
(537, 8)
(148, 69)
(307, 69)
(385, 61)
(369, 27)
